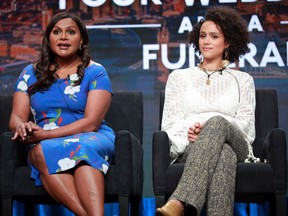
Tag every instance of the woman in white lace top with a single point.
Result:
(209, 117)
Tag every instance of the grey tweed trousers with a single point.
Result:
(210, 168)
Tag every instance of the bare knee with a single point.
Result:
(36, 156)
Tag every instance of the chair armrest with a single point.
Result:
(8, 162)
(160, 161)
(129, 163)
(275, 148)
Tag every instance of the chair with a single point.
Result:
(124, 180)
(255, 182)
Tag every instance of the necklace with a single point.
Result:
(208, 81)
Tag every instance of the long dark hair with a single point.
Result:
(46, 66)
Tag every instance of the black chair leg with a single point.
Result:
(29, 209)
(160, 201)
(134, 206)
(247, 209)
(7, 206)
(280, 205)
(123, 205)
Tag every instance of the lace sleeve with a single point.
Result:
(173, 121)
(245, 116)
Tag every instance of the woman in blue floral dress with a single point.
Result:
(69, 96)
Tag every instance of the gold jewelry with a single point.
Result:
(225, 61)
(208, 81)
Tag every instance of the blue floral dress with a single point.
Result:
(62, 104)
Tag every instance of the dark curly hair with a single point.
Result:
(232, 25)
(46, 66)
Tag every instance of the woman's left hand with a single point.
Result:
(194, 131)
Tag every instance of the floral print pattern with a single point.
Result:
(22, 85)
(62, 104)
(66, 163)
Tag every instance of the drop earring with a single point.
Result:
(225, 61)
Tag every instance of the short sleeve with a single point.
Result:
(25, 79)
(99, 79)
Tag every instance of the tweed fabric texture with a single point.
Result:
(210, 167)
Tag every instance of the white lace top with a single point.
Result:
(188, 99)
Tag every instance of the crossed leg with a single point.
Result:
(220, 196)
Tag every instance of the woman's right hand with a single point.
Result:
(25, 131)
(194, 131)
